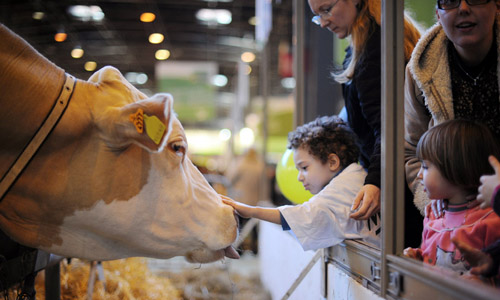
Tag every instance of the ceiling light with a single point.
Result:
(86, 13)
(252, 21)
(247, 57)
(136, 78)
(162, 54)
(141, 78)
(214, 16)
(288, 83)
(60, 36)
(77, 52)
(219, 80)
(247, 137)
(131, 77)
(147, 17)
(38, 15)
(224, 134)
(156, 38)
(90, 66)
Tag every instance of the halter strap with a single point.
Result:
(32, 147)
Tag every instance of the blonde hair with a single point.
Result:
(370, 11)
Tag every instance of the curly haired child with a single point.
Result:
(326, 153)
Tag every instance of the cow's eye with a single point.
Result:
(178, 148)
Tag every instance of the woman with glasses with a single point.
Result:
(453, 73)
(361, 81)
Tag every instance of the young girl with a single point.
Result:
(454, 155)
(326, 154)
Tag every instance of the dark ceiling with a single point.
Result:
(121, 40)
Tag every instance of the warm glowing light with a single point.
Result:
(60, 36)
(247, 57)
(252, 120)
(147, 17)
(248, 70)
(90, 66)
(205, 142)
(162, 54)
(252, 21)
(156, 38)
(247, 137)
(38, 15)
(77, 52)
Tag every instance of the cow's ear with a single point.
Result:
(112, 77)
(107, 73)
(147, 123)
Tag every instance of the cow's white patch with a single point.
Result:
(164, 220)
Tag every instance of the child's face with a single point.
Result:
(436, 186)
(312, 173)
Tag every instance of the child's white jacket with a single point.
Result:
(324, 221)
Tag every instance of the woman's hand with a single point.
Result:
(481, 262)
(243, 210)
(472, 201)
(369, 198)
(488, 184)
(436, 207)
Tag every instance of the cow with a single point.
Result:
(112, 179)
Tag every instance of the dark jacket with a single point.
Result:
(362, 97)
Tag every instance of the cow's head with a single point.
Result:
(106, 190)
(176, 210)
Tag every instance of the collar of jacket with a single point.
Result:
(431, 72)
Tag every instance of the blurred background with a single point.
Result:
(243, 74)
(228, 63)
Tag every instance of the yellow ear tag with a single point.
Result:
(138, 120)
(154, 128)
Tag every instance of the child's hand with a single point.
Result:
(413, 253)
(480, 261)
(243, 210)
(489, 183)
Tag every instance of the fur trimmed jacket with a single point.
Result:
(428, 99)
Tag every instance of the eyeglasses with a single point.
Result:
(451, 4)
(324, 14)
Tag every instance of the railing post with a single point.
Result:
(53, 282)
(393, 179)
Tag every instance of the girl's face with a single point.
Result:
(438, 187)
(312, 173)
(339, 15)
(469, 27)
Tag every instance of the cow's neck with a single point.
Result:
(32, 84)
